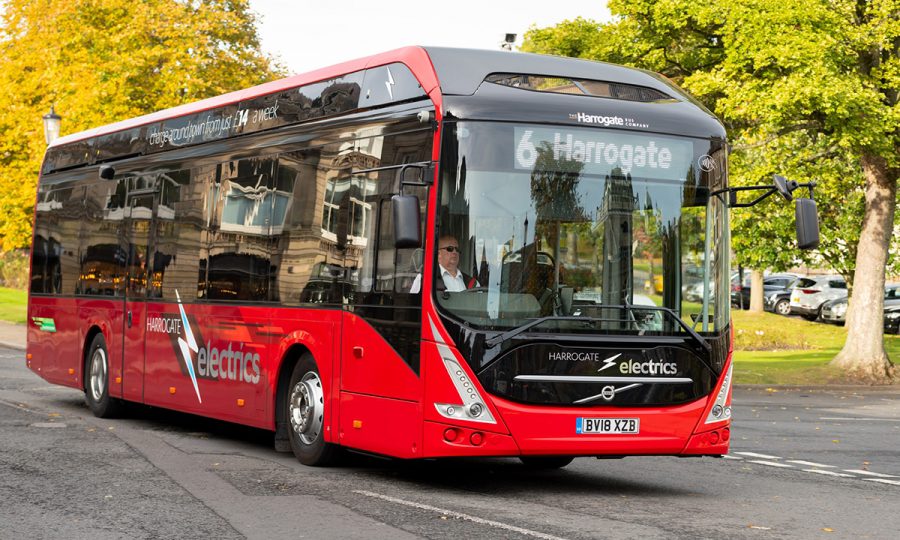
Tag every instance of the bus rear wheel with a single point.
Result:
(545, 462)
(305, 412)
(96, 388)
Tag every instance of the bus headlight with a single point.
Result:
(471, 406)
(721, 410)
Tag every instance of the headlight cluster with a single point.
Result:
(893, 315)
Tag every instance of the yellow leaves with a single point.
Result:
(100, 62)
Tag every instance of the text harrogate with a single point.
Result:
(574, 356)
(625, 157)
(605, 120)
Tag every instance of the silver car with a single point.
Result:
(810, 293)
(835, 311)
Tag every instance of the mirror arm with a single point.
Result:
(426, 180)
(732, 192)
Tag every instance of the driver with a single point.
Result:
(452, 279)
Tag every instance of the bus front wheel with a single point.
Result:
(305, 411)
(96, 388)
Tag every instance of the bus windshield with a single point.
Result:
(589, 230)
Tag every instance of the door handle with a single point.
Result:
(128, 318)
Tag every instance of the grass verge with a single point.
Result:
(13, 305)
(777, 350)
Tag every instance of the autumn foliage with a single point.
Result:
(101, 61)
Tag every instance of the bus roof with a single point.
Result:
(408, 73)
(414, 57)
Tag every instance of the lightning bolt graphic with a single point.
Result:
(609, 362)
(390, 84)
(188, 346)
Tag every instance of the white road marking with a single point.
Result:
(870, 473)
(459, 515)
(809, 463)
(884, 481)
(859, 418)
(763, 456)
(770, 463)
(729, 456)
(829, 473)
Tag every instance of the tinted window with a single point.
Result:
(805, 282)
(175, 259)
(59, 214)
(103, 257)
(307, 263)
(837, 284)
(239, 243)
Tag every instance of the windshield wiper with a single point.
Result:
(500, 338)
(669, 311)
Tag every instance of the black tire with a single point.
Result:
(305, 414)
(544, 463)
(96, 380)
(783, 307)
(810, 316)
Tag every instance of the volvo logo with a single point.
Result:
(608, 393)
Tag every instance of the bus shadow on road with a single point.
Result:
(585, 476)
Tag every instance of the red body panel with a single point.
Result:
(369, 365)
(551, 430)
(386, 426)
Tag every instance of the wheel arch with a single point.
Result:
(285, 368)
(92, 332)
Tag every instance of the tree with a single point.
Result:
(100, 61)
(806, 87)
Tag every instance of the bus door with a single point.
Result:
(138, 227)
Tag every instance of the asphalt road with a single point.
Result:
(804, 464)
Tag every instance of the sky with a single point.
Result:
(306, 35)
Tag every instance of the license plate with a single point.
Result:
(608, 425)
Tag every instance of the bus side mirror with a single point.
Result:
(807, 223)
(407, 221)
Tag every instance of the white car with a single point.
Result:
(811, 292)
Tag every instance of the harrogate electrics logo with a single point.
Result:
(226, 360)
(187, 347)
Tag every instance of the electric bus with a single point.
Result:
(284, 257)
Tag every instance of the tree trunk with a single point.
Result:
(756, 291)
(863, 356)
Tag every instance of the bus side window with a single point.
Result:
(239, 261)
(306, 266)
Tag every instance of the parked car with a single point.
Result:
(810, 293)
(892, 310)
(835, 311)
(892, 320)
(780, 301)
(740, 296)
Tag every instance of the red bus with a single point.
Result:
(424, 253)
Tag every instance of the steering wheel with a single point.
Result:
(480, 290)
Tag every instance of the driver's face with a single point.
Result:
(448, 259)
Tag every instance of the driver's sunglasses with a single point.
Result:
(451, 249)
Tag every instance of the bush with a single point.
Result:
(14, 269)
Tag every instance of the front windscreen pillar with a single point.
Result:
(616, 213)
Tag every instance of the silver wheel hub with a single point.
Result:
(98, 374)
(306, 408)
